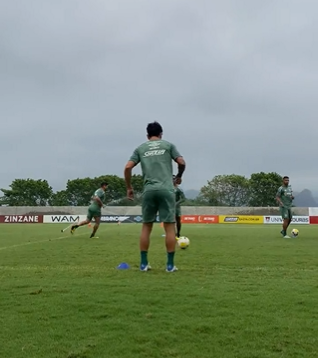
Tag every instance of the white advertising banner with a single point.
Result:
(61, 219)
(313, 211)
(278, 220)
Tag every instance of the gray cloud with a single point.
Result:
(233, 84)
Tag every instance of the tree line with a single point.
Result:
(222, 190)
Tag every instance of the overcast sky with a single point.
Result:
(234, 84)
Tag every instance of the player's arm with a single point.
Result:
(132, 162)
(177, 157)
(182, 197)
(279, 198)
(98, 200)
(127, 173)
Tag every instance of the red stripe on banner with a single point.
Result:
(313, 219)
(200, 219)
(21, 219)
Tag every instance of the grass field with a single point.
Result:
(241, 291)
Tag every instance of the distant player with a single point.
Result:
(285, 199)
(156, 157)
(180, 198)
(94, 210)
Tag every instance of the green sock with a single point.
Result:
(144, 257)
(170, 256)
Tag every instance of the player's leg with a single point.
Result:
(82, 223)
(149, 212)
(178, 224)
(285, 217)
(144, 245)
(96, 226)
(167, 214)
(290, 217)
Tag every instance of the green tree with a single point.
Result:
(59, 199)
(137, 184)
(79, 191)
(27, 192)
(226, 190)
(263, 188)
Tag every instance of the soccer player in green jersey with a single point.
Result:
(180, 198)
(156, 157)
(285, 199)
(94, 210)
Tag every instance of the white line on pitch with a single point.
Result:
(40, 241)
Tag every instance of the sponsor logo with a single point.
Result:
(151, 153)
(303, 220)
(154, 144)
(250, 218)
(138, 219)
(20, 219)
(189, 218)
(65, 219)
(230, 220)
(208, 219)
(60, 219)
(241, 219)
(279, 220)
(113, 218)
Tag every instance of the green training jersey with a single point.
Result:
(101, 195)
(155, 158)
(180, 197)
(285, 194)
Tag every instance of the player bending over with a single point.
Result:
(285, 199)
(94, 210)
(156, 157)
(180, 198)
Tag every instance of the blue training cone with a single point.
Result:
(123, 266)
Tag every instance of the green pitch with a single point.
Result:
(241, 292)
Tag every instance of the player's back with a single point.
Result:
(156, 162)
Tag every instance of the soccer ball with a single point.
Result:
(294, 233)
(183, 242)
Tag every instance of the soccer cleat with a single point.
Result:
(286, 237)
(177, 238)
(73, 228)
(145, 267)
(171, 268)
(94, 237)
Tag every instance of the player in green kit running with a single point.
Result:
(94, 210)
(180, 198)
(285, 199)
(156, 157)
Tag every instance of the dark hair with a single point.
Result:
(285, 177)
(154, 129)
(104, 183)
